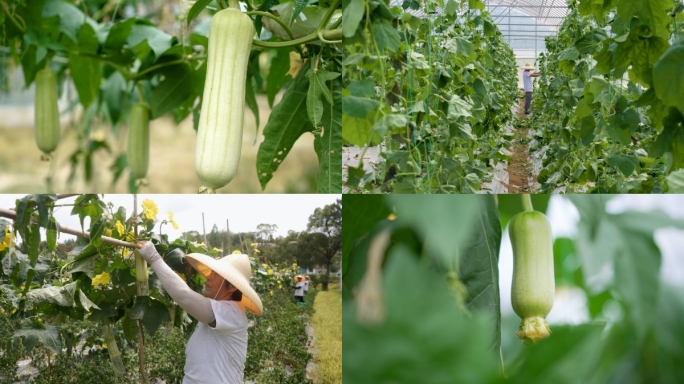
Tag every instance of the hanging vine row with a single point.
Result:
(434, 90)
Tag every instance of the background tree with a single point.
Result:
(215, 238)
(323, 240)
(265, 232)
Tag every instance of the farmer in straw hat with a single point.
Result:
(217, 350)
(527, 83)
(306, 285)
(299, 289)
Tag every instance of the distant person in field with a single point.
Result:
(527, 84)
(217, 349)
(299, 289)
(306, 285)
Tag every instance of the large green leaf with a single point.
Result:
(70, 17)
(568, 356)
(443, 221)
(351, 16)
(423, 339)
(31, 333)
(63, 296)
(287, 122)
(652, 13)
(328, 143)
(87, 74)
(668, 77)
(173, 90)
(479, 267)
(151, 311)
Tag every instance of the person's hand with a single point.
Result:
(147, 251)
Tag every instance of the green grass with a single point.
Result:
(327, 322)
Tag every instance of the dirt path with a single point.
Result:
(520, 170)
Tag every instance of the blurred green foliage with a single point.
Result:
(439, 290)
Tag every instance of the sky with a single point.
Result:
(570, 305)
(244, 212)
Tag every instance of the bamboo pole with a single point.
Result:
(71, 231)
(141, 278)
(204, 230)
(228, 233)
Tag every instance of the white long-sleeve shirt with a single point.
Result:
(527, 81)
(300, 289)
(213, 355)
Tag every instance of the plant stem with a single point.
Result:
(15, 21)
(155, 67)
(233, 4)
(335, 34)
(274, 18)
(527, 203)
(328, 15)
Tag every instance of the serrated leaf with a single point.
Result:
(318, 86)
(328, 144)
(287, 122)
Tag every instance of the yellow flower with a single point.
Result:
(256, 250)
(9, 237)
(254, 244)
(108, 232)
(271, 292)
(294, 265)
(150, 209)
(391, 216)
(182, 276)
(101, 279)
(264, 265)
(270, 271)
(120, 228)
(173, 222)
(130, 237)
(218, 250)
(237, 252)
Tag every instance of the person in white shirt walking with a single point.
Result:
(527, 84)
(306, 285)
(299, 289)
(217, 349)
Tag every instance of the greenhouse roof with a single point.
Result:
(548, 12)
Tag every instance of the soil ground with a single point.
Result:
(520, 168)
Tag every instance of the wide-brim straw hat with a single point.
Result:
(236, 269)
(528, 66)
